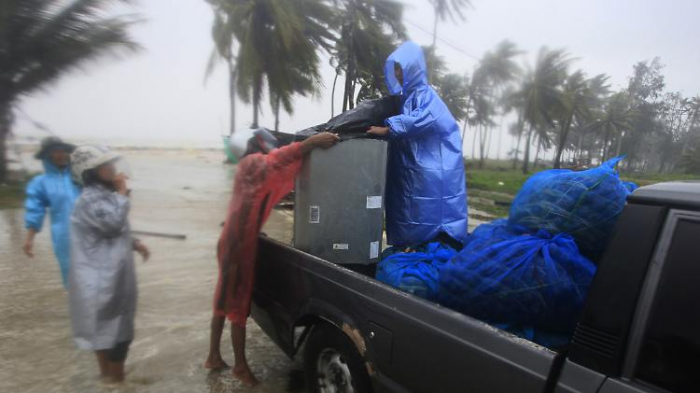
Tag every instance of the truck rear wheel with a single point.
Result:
(332, 363)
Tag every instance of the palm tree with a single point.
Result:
(694, 113)
(367, 31)
(445, 9)
(615, 121)
(452, 88)
(44, 40)
(499, 69)
(581, 97)
(278, 46)
(222, 34)
(454, 93)
(480, 111)
(542, 96)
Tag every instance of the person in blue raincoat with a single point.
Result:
(426, 195)
(54, 190)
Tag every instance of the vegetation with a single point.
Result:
(444, 9)
(277, 46)
(552, 108)
(12, 194)
(492, 189)
(43, 40)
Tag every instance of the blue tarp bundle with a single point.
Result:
(415, 272)
(510, 277)
(582, 204)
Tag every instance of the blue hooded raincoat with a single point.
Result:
(56, 191)
(426, 189)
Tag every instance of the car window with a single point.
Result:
(670, 353)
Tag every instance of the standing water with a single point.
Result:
(182, 192)
(175, 191)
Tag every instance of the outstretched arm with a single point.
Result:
(411, 125)
(323, 140)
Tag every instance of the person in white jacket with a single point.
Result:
(102, 278)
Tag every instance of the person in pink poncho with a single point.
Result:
(262, 179)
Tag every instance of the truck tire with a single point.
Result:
(332, 363)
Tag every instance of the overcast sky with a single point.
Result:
(159, 96)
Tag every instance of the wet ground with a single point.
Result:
(174, 192)
(180, 192)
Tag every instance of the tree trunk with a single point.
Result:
(348, 88)
(537, 152)
(591, 149)
(335, 80)
(517, 146)
(232, 95)
(464, 131)
(526, 159)
(474, 144)
(483, 137)
(618, 150)
(256, 102)
(500, 138)
(489, 142)
(5, 126)
(579, 148)
(351, 99)
(562, 139)
(277, 114)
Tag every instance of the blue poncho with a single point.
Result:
(56, 191)
(426, 190)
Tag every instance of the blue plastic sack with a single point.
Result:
(415, 272)
(583, 204)
(505, 276)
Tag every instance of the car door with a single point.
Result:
(663, 352)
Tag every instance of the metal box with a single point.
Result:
(338, 213)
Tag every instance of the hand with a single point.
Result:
(379, 131)
(323, 140)
(28, 247)
(142, 250)
(119, 183)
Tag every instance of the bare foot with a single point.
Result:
(216, 364)
(246, 376)
(109, 382)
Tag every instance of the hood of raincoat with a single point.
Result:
(412, 61)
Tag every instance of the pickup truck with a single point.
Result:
(639, 331)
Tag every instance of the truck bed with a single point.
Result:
(397, 333)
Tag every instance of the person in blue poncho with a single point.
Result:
(426, 195)
(55, 191)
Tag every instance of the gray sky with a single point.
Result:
(159, 96)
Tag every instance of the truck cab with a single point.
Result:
(638, 331)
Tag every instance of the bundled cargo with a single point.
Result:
(520, 280)
(582, 204)
(355, 122)
(415, 272)
(366, 114)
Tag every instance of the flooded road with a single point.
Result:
(182, 192)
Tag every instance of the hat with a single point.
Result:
(52, 142)
(252, 140)
(90, 157)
